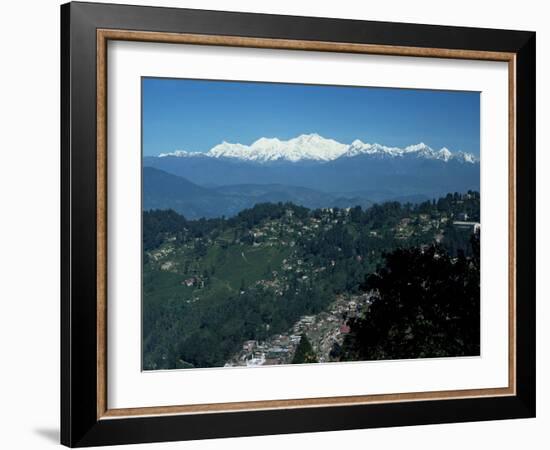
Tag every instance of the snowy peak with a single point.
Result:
(182, 154)
(227, 150)
(313, 147)
(305, 147)
(444, 154)
(465, 157)
(420, 150)
(178, 153)
(358, 147)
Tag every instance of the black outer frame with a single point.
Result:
(79, 424)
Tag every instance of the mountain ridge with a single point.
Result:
(163, 190)
(315, 148)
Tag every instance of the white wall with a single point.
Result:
(29, 251)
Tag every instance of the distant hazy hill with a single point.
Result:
(162, 190)
(366, 171)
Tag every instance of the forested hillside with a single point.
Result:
(217, 290)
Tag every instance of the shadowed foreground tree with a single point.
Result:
(304, 352)
(425, 305)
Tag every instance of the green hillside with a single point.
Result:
(211, 284)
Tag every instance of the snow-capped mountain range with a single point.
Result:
(312, 147)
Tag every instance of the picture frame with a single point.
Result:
(86, 418)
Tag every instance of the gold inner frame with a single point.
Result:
(104, 35)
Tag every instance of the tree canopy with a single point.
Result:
(425, 304)
(304, 352)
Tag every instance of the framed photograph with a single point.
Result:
(276, 224)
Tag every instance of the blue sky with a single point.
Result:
(195, 115)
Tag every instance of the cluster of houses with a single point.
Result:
(277, 232)
(161, 253)
(278, 349)
(426, 223)
(330, 327)
(271, 233)
(323, 331)
(194, 281)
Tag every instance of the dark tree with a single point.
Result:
(425, 304)
(157, 224)
(304, 352)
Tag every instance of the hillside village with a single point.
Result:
(300, 270)
(324, 331)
